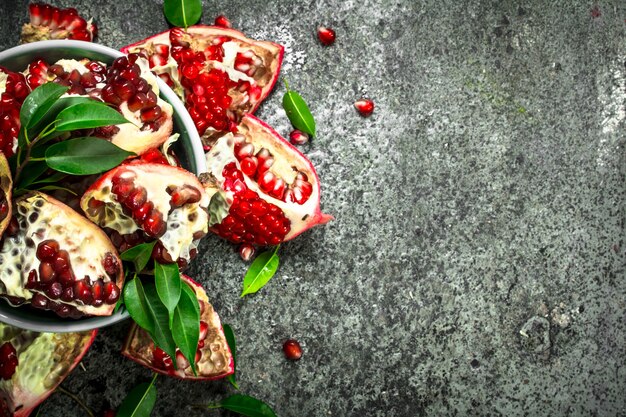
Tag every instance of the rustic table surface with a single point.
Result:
(476, 265)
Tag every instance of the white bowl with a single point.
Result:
(188, 147)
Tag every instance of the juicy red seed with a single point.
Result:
(82, 291)
(111, 265)
(298, 138)
(47, 250)
(249, 165)
(68, 294)
(136, 198)
(31, 282)
(61, 262)
(143, 212)
(138, 102)
(151, 114)
(222, 21)
(111, 293)
(97, 291)
(55, 290)
(39, 301)
(66, 278)
(161, 360)
(46, 272)
(364, 106)
(153, 225)
(292, 350)
(246, 251)
(326, 35)
(8, 361)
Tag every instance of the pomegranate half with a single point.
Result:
(263, 190)
(219, 73)
(55, 259)
(213, 357)
(39, 362)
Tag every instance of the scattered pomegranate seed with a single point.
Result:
(109, 413)
(292, 350)
(246, 251)
(365, 106)
(298, 138)
(8, 361)
(222, 21)
(326, 35)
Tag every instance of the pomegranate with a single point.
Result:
(292, 350)
(55, 259)
(298, 138)
(42, 361)
(364, 106)
(6, 193)
(213, 357)
(269, 191)
(326, 35)
(223, 22)
(13, 91)
(127, 84)
(246, 251)
(49, 22)
(219, 73)
(139, 202)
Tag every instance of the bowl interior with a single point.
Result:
(188, 148)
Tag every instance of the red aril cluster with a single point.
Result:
(8, 361)
(49, 22)
(11, 98)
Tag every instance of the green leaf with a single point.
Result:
(56, 188)
(168, 283)
(139, 255)
(247, 406)
(140, 401)
(298, 112)
(37, 104)
(53, 112)
(187, 288)
(54, 178)
(30, 173)
(232, 345)
(137, 305)
(182, 13)
(162, 334)
(88, 115)
(85, 156)
(218, 209)
(186, 327)
(260, 272)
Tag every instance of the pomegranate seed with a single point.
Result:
(292, 350)
(204, 328)
(162, 360)
(298, 138)
(246, 251)
(153, 225)
(82, 291)
(249, 165)
(111, 293)
(54, 291)
(8, 361)
(61, 262)
(47, 250)
(46, 272)
(364, 106)
(151, 114)
(222, 21)
(326, 35)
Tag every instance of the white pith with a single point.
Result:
(86, 245)
(222, 153)
(166, 147)
(44, 359)
(3, 81)
(178, 240)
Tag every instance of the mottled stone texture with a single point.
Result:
(476, 265)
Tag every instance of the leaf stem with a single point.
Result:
(78, 400)
(286, 84)
(276, 248)
(207, 406)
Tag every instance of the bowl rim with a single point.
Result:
(90, 323)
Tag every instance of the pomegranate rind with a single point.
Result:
(139, 347)
(86, 244)
(6, 184)
(277, 51)
(286, 156)
(44, 361)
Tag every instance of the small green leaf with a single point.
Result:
(37, 104)
(247, 406)
(85, 156)
(57, 188)
(162, 334)
(51, 179)
(186, 288)
(137, 305)
(30, 173)
(168, 283)
(298, 112)
(139, 255)
(260, 272)
(50, 117)
(88, 115)
(232, 345)
(186, 326)
(140, 401)
(182, 13)
(218, 209)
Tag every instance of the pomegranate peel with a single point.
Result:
(214, 359)
(44, 360)
(272, 191)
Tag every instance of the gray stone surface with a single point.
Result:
(476, 265)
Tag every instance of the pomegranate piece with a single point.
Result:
(292, 350)
(271, 190)
(298, 138)
(6, 194)
(219, 73)
(13, 91)
(127, 84)
(45, 359)
(223, 22)
(55, 259)
(326, 35)
(213, 357)
(49, 22)
(142, 202)
(364, 106)
(246, 251)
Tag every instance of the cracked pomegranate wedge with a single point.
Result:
(33, 364)
(219, 73)
(213, 357)
(127, 84)
(55, 259)
(263, 190)
(13, 91)
(6, 194)
(49, 22)
(143, 202)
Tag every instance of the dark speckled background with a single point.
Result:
(477, 262)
